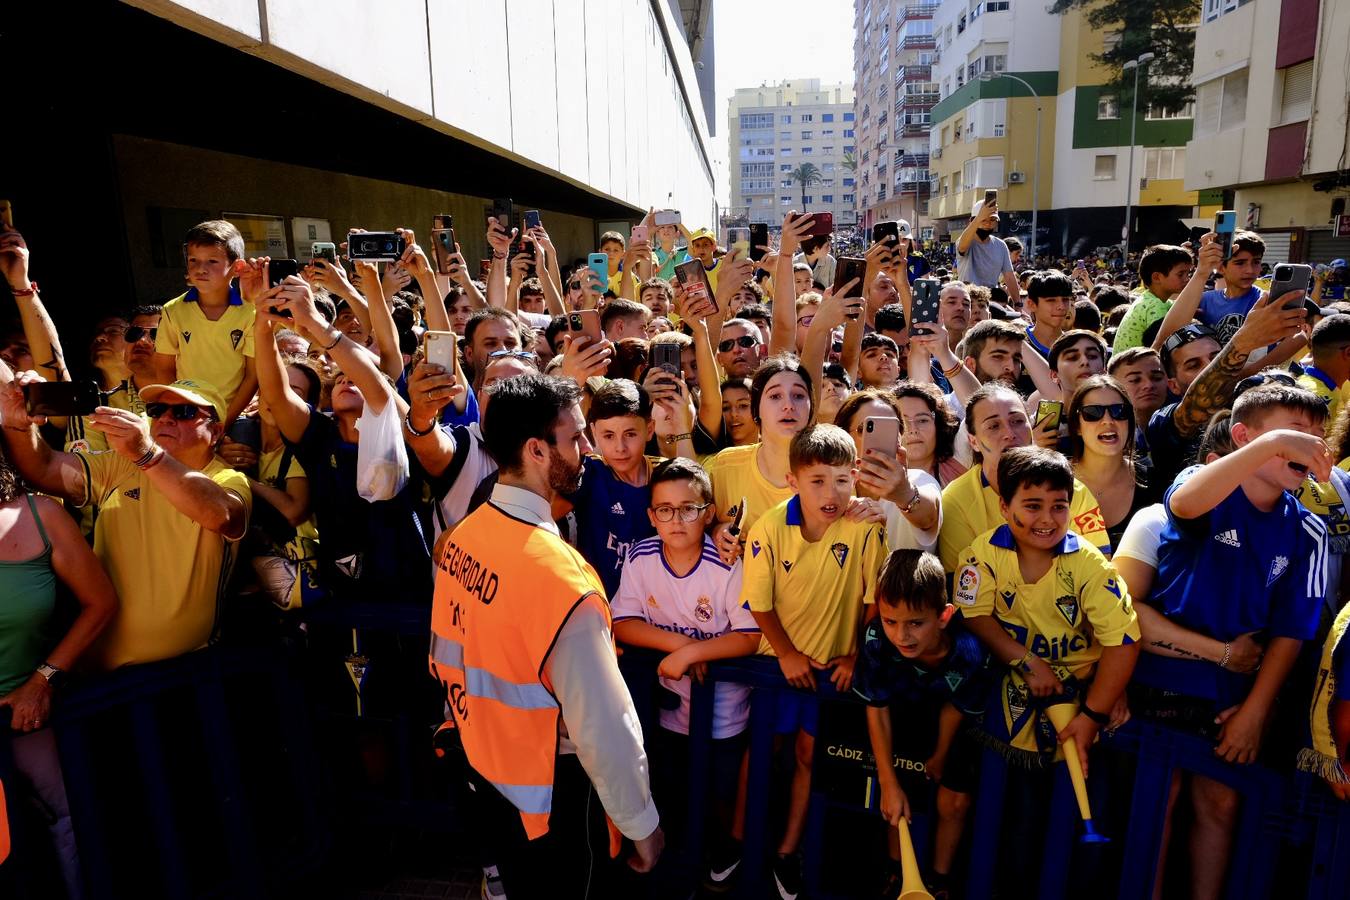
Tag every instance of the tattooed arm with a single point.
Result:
(1268, 322)
(1163, 637)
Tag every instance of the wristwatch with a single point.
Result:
(55, 677)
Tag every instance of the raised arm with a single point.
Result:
(1038, 370)
(1188, 301)
(546, 263)
(785, 287)
(1213, 389)
(499, 241)
(430, 389)
(415, 261)
(1209, 485)
(45, 470)
(381, 320)
(38, 330)
(291, 413)
(355, 361)
(709, 379)
(984, 220)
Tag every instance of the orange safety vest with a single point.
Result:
(504, 589)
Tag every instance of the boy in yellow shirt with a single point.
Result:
(1048, 605)
(206, 334)
(809, 571)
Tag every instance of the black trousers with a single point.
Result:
(570, 861)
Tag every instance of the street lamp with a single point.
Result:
(1036, 173)
(1135, 64)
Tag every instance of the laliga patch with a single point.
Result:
(967, 585)
(840, 552)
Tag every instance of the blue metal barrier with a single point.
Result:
(1278, 809)
(133, 697)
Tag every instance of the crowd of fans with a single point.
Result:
(1121, 486)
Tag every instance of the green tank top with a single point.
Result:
(27, 603)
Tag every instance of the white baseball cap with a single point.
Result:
(903, 227)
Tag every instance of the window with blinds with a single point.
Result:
(1296, 93)
(1221, 104)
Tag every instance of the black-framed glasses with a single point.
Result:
(687, 512)
(1094, 412)
(746, 341)
(135, 332)
(1185, 335)
(183, 412)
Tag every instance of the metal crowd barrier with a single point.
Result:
(187, 696)
(1280, 812)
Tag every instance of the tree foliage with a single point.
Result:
(1165, 28)
(806, 174)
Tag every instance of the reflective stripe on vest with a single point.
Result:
(504, 588)
(482, 683)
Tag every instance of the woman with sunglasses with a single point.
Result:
(928, 430)
(1101, 438)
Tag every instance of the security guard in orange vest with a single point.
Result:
(521, 641)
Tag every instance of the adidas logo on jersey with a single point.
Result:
(617, 509)
(1229, 537)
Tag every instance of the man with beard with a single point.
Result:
(993, 351)
(522, 644)
(982, 257)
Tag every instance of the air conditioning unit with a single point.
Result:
(937, 153)
(1016, 178)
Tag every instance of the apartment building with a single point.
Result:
(893, 65)
(773, 130)
(1271, 129)
(1023, 111)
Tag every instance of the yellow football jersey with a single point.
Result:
(818, 588)
(735, 475)
(1079, 606)
(970, 508)
(207, 351)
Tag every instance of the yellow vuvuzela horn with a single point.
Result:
(1062, 714)
(911, 882)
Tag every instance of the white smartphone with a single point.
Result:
(439, 348)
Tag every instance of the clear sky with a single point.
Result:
(769, 42)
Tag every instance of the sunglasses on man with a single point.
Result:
(183, 412)
(134, 333)
(745, 341)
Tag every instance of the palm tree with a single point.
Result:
(806, 175)
(850, 162)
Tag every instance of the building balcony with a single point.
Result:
(917, 11)
(915, 102)
(911, 160)
(918, 42)
(913, 73)
(911, 129)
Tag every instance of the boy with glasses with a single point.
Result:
(678, 597)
